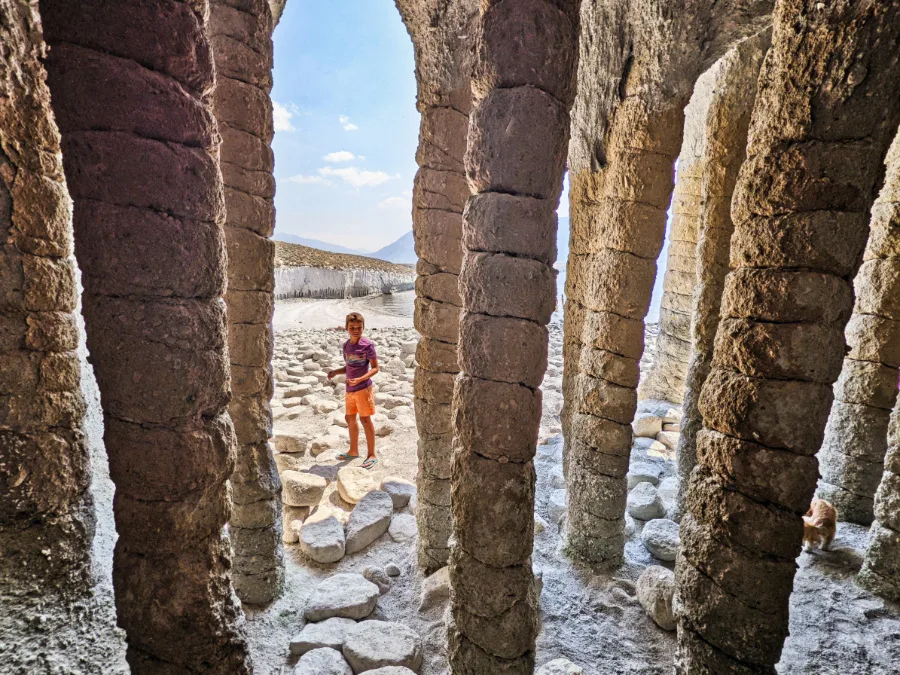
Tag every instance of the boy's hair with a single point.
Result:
(354, 316)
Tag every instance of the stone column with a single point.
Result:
(45, 517)
(241, 39)
(523, 86)
(131, 82)
(822, 121)
(442, 38)
(852, 455)
(724, 98)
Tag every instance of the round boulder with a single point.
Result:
(376, 644)
(644, 503)
(660, 537)
(655, 589)
(322, 661)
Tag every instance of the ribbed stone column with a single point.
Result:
(852, 455)
(131, 83)
(442, 36)
(818, 136)
(45, 520)
(720, 108)
(241, 38)
(518, 133)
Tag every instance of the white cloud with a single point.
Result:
(347, 124)
(309, 179)
(339, 156)
(356, 177)
(394, 203)
(281, 116)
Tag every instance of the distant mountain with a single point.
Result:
(402, 251)
(321, 245)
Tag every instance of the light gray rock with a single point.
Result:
(354, 482)
(321, 537)
(660, 536)
(560, 667)
(302, 489)
(328, 633)
(539, 524)
(289, 516)
(655, 589)
(669, 439)
(347, 595)
(392, 570)
(408, 348)
(403, 527)
(285, 462)
(644, 503)
(395, 367)
(370, 519)
(557, 480)
(435, 589)
(323, 661)
(290, 443)
(643, 472)
(399, 489)
(379, 577)
(556, 506)
(391, 670)
(646, 425)
(668, 490)
(376, 644)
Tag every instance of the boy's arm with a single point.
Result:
(337, 371)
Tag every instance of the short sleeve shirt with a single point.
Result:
(356, 359)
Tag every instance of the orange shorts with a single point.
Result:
(362, 402)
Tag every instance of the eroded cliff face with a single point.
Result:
(321, 282)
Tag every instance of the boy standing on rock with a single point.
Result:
(361, 363)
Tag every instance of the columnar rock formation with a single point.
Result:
(45, 520)
(722, 101)
(852, 455)
(131, 83)
(240, 35)
(823, 118)
(442, 36)
(637, 68)
(523, 85)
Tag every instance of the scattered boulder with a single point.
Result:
(289, 516)
(399, 489)
(395, 367)
(560, 667)
(369, 520)
(392, 570)
(643, 472)
(288, 462)
(669, 439)
(557, 479)
(435, 589)
(379, 577)
(647, 425)
(391, 670)
(328, 633)
(322, 661)
(668, 411)
(644, 502)
(650, 447)
(409, 348)
(347, 595)
(655, 589)
(323, 443)
(556, 506)
(376, 644)
(403, 527)
(660, 536)
(668, 490)
(339, 419)
(302, 489)
(322, 537)
(353, 483)
(384, 429)
(290, 444)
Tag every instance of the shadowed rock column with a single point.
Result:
(852, 455)
(822, 121)
(45, 519)
(724, 97)
(242, 45)
(523, 85)
(442, 38)
(131, 82)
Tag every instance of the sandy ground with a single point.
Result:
(590, 617)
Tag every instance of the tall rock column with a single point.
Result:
(822, 122)
(725, 95)
(45, 519)
(241, 40)
(852, 454)
(131, 83)
(442, 37)
(523, 85)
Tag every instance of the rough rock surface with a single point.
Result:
(322, 538)
(302, 489)
(560, 667)
(399, 489)
(660, 536)
(644, 502)
(655, 589)
(435, 589)
(322, 661)
(345, 595)
(354, 482)
(328, 633)
(403, 527)
(370, 519)
(376, 644)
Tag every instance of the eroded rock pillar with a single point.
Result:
(818, 136)
(241, 37)
(523, 86)
(852, 455)
(131, 83)
(45, 519)
(442, 39)
(720, 112)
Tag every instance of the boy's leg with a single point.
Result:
(350, 416)
(369, 428)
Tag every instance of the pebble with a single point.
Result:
(435, 589)
(655, 589)
(328, 633)
(302, 489)
(347, 595)
(354, 482)
(371, 518)
(644, 503)
(392, 570)
(376, 644)
(403, 527)
(660, 536)
(322, 661)
(322, 537)
(399, 489)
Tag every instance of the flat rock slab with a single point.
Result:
(376, 644)
(399, 489)
(560, 667)
(643, 472)
(328, 633)
(354, 483)
(435, 589)
(321, 537)
(323, 661)
(655, 589)
(403, 527)
(660, 537)
(644, 503)
(370, 519)
(302, 489)
(347, 595)
(290, 443)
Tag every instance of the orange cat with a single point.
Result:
(819, 525)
